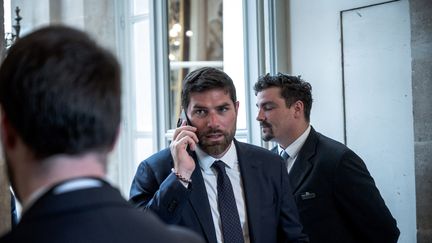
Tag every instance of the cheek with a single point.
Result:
(229, 122)
(198, 123)
(277, 119)
(272, 117)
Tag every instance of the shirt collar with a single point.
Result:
(294, 148)
(206, 161)
(62, 187)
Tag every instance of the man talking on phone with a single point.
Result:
(207, 181)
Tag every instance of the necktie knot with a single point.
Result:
(284, 155)
(219, 166)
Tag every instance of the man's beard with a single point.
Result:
(269, 135)
(215, 148)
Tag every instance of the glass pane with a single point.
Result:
(142, 76)
(143, 149)
(195, 32)
(234, 55)
(196, 39)
(176, 76)
(7, 16)
(140, 7)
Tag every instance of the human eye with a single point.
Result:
(200, 112)
(268, 107)
(223, 109)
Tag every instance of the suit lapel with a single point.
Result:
(199, 202)
(249, 170)
(303, 164)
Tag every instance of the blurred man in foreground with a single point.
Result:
(60, 103)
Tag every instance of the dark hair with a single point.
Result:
(292, 89)
(204, 79)
(61, 92)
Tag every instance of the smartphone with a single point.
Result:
(183, 117)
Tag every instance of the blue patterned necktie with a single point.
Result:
(285, 157)
(231, 228)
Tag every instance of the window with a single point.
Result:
(205, 33)
(159, 43)
(137, 140)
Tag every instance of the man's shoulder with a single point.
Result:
(159, 159)
(8, 237)
(330, 143)
(162, 154)
(147, 224)
(251, 147)
(120, 224)
(333, 151)
(255, 151)
(157, 231)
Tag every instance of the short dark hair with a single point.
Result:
(204, 79)
(61, 92)
(293, 88)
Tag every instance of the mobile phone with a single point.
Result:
(183, 117)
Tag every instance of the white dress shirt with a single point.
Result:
(294, 148)
(210, 181)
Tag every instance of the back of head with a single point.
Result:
(293, 88)
(204, 79)
(61, 92)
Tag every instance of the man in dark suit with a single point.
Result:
(60, 97)
(335, 194)
(225, 190)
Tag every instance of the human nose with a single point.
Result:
(212, 120)
(260, 115)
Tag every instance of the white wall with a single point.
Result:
(379, 123)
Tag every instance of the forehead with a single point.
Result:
(272, 94)
(209, 98)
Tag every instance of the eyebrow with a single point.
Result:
(223, 105)
(266, 103)
(205, 107)
(199, 107)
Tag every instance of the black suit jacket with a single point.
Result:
(271, 212)
(92, 215)
(336, 196)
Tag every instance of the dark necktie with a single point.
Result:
(231, 228)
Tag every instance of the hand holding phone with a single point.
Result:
(183, 118)
(184, 139)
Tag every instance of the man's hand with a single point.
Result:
(184, 136)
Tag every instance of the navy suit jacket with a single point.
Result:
(92, 215)
(271, 212)
(336, 196)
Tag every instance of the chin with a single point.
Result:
(267, 137)
(215, 150)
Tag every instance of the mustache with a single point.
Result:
(265, 124)
(211, 131)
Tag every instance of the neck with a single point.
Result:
(58, 168)
(294, 135)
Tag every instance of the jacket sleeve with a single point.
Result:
(357, 195)
(160, 191)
